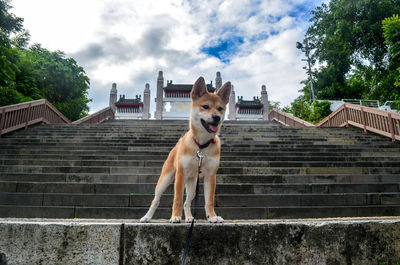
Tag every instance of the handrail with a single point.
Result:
(97, 117)
(369, 119)
(287, 119)
(14, 117)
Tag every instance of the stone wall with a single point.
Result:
(330, 242)
(59, 242)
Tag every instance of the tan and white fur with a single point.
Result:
(206, 117)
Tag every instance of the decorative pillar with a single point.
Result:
(264, 99)
(113, 96)
(232, 105)
(218, 80)
(159, 97)
(146, 102)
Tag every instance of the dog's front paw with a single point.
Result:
(189, 219)
(175, 219)
(215, 219)
(145, 219)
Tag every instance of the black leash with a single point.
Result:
(200, 157)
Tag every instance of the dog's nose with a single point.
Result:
(216, 118)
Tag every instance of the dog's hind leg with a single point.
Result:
(166, 177)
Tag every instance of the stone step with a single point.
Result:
(221, 200)
(224, 163)
(163, 154)
(233, 213)
(169, 142)
(165, 151)
(155, 123)
(164, 135)
(176, 130)
(157, 132)
(226, 143)
(243, 142)
(128, 150)
(236, 188)
(185, 126)
(179, 130)
(27, 158)
(239, 136)
(273, 168)
(222, 170)
(173, 131)
(225, 132)
(221, 178)
(165, 147)
(8, 159)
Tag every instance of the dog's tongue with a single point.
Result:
(213, 128)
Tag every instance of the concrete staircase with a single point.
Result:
(267, 171)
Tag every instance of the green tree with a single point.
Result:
(33, 73)
(350, 47)
(319, 110)
(274, 105)
(8, 24)
(52, 76)
(309, 111)
(391, 32)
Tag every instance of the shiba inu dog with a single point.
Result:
(206, 117)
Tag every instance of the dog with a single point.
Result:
(206, 117)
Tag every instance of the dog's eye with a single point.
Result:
(220, 109)
(206, 107)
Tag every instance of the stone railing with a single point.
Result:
(14, 117)
(287, 119)
(97, 117)
(369, 119)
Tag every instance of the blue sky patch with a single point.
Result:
(303, 11)
(224, 49)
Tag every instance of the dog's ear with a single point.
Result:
(199, 88)
(224, 92)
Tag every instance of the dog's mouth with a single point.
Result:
(210, 127)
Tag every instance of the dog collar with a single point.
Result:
(202, 146)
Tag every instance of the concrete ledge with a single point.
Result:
(62, 242)
(318, 241)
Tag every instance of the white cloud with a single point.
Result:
(128, 42)
(63, 25)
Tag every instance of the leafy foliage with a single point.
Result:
(319, 110)
(274, 105)
(309, 111)
(35, 72)
(8, 24)
(357, 55)
(351, 49)
(391, 32)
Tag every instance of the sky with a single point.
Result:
(251, 42)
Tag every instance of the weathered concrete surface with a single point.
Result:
(302, 242)
(61, 242)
